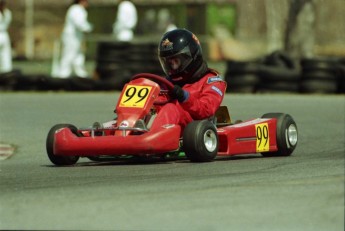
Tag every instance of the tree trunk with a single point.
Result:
(299, 37)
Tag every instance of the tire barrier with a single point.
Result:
(119, 61)
(116, 63)
(21, 82)
(242, 77)
(16, 81)
(278, 73)
(322, 75)
(273, 73)
(341, 76)
(8, 80)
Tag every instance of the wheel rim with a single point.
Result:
(292, 134)
(210, 140)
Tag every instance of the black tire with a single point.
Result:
(243, 83)
(287, 134)
(111, 84)
(319, 75)
(57, 84)
(280, 59)
(341, 79)
(200, 141)
(27, 82)
(269, 74)
(319, 64)
(318, 86)
(82, 84)
(278, 87)
(113, 58)
(242, 67)
(242, 80)
(9, 79)
(241, 89)
(59, 160)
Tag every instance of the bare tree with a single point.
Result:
(276, 14)
(299, 36)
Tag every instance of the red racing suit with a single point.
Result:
(205, 97)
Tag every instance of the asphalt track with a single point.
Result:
(301, 192)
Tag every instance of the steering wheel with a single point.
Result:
(158, 79)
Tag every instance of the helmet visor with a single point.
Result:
(177, 63)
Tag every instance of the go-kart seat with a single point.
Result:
(222, 117)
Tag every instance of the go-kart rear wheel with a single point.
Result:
(59, 160)
(287, 134)
(200, 141)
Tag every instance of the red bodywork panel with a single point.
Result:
(243, 138)
(161, 141)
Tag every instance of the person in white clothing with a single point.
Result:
(76, 24)
(126, 21)
(5, 43)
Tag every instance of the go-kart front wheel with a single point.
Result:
(287, 134)
(59, 160)
(200, 141)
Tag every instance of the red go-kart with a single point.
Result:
(129, 135)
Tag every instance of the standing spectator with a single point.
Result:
(126, 21)
(170, 26)
(76, 25)
(165, 21)
(5, 44)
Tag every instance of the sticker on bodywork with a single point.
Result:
(135, 96)
(262, 137)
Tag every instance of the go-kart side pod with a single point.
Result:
(200, 141)
(287, 134)
(59, 160)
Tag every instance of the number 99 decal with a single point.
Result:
(135, 96)
(262, 138)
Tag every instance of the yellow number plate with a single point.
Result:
(262, 138)
(135, 96)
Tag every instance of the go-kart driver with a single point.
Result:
(198, 90)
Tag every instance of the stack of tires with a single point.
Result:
(322, 75)
(341, 76)
(279, 74)
(8, 80)
(242, 76)
(276, 72)
(17, 81)
(117, 62)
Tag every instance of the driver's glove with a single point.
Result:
(179, 94)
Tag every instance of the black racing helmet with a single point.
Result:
(180, 55)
